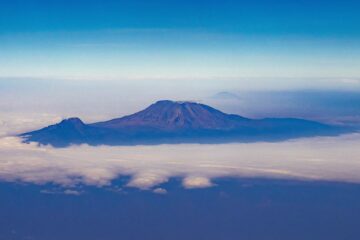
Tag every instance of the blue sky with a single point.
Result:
(275, 17)
(175, 40)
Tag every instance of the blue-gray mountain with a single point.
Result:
(178, 122)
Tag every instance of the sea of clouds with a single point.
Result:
(322, 158)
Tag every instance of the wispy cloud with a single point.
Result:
(61, 191)
(351, 81)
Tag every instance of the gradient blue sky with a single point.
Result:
(176, 40)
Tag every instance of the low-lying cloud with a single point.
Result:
(322, 158)
(27, 104)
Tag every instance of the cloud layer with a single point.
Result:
(326, 158)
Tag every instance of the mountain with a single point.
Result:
(226, 96)
(173, 116)
(177, 122)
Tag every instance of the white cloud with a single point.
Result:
(196, 182)
(146, 180)
(326, 158)
(160, 191)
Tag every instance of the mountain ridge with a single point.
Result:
(169, 114)
(169, 121)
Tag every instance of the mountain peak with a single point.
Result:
(171, 115)
(165, 102)
(73, 123)
(73, 120)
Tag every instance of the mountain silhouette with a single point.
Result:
(169, 115)
(177, 122)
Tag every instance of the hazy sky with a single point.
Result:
(177, 40)
(23, 102)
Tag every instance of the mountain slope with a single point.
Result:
(169, 115)
(177, 122)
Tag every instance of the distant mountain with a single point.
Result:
(177, 122)
(226, 96)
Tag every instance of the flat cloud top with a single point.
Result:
(321, 158)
